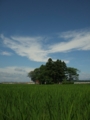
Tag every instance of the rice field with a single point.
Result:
(44, 102)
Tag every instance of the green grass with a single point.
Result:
(44, 102)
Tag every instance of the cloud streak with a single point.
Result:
(35, 49)
(15, 70)
(14, 74)
(75, 41)
(27, 46)
(5, 53)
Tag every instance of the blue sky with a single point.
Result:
(31, 31)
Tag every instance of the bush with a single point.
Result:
(67, 82)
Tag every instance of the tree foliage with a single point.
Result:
(72, 73)
(53, 72)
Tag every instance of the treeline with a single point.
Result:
(53, 72)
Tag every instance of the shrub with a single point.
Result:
(67, 82)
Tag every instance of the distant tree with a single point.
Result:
(59, 69)
(34, 74)
(72, 73)
(53, 72)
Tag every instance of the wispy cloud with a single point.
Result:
(15, 74)
(5, 53)
(75, 40)
(16, 70)
(35, 49)
(30, 47)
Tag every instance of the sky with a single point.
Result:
(31, 31)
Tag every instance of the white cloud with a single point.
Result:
(16, 70)
(15, 74)
(35, 49)
(75, 40)
(27, 46)
(6, 53)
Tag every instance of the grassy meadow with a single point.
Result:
(44, 102)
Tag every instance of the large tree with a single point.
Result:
(53, 72)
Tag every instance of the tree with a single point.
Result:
(34, 75)
(59, 70)
(53, 72)
(72, 73)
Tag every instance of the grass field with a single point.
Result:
(44, 102)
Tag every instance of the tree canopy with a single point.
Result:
(72, 73)
(53, 72)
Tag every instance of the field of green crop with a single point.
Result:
(44, 102)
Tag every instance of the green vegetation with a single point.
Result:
(44, 102)
(53, 72)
